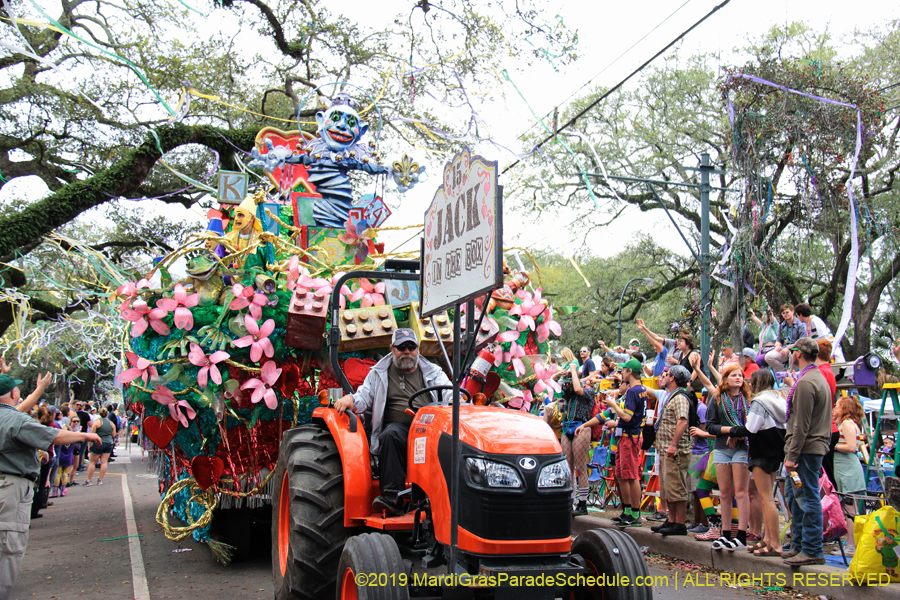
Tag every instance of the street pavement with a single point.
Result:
(80, 550)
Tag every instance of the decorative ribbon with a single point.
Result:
(852, 268)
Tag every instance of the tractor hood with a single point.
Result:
(495, 430)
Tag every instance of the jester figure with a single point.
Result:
(328, 158)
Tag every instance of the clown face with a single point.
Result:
(243, 220)
(340, 127)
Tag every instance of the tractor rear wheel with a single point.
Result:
(308, 533)
(611, 552)
(371, 568)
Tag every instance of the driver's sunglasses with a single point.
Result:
(406, 347)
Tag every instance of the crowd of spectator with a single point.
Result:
(763, 412)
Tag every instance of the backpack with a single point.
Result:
(597, 430)
(693, 415)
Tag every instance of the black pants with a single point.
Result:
(392, 453)
(41, 491)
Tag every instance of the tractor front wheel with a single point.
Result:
(371, 568)
(308, 533)
(612, 553)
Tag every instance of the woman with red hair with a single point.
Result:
(727, 407)
(848, 472)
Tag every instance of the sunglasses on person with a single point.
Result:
(406, 347)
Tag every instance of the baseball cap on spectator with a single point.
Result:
(633, 364)
(806, 345)
(749, 353)
(8, 384)
(681, 375)
(634, 342)
(404, 335)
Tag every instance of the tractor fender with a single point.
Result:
(354, 450)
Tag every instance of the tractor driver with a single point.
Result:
(384, 395)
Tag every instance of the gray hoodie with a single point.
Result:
(371, 395)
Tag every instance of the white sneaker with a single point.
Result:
(736, 544)
(721, 544)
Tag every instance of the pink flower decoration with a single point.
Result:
(207, 364)
(262, 388)
(345, 291)
(371, 295)
(528, 310)
(522, 400)
(548, 326)
(142, 315)
(130, 290)
(514, 355)
(181, 303)
(247, 296)
(140, 367)
(258, 338)
(545, 379)
(164, 395)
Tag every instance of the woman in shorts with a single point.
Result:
(764, 428)
(727, 407)
(106, 430)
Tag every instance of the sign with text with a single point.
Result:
(462, 256)
(232, 187)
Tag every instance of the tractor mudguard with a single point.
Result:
(354, 450)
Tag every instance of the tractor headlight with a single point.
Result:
(485, 473)
(555, 475)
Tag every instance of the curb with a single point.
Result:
(759, 570)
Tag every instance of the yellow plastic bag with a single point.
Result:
(877, 537)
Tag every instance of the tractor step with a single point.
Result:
(401, 523)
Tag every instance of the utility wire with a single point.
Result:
(620, 84)
(614, 61)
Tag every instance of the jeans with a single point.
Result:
(806, 507)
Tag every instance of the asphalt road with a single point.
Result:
(67, 558)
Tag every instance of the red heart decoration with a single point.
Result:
(289, 380)
(160, 431)
(207, 470)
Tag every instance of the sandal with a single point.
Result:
(767, 552)
(761, 545)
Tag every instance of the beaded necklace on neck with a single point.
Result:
(787, 412)
(736, 415)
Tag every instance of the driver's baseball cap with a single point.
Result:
(404, 335)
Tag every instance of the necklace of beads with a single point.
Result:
(736, 415)
(790, 397)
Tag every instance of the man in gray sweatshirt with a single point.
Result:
(806, 443)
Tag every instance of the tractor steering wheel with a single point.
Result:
(433, 388)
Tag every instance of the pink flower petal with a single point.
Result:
(251, 384)
(158, 326)
(267, 328)
(129, 375)
(184, 318)
(167, 304)
(256, 351)
(196, 356)
(214, 373)
(251, 325)
(217, 357)
(202, 376)
(258, 394)
(138, 328)
(271, 400)
(255, 312)
(508, 336)
(238, 303)
(243, 342)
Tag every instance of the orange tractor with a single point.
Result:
(512, 510)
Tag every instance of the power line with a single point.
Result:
(621, 83)
(617, 59)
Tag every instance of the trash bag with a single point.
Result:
(877, 545)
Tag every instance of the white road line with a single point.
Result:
(138, 576)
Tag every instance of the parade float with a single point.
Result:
(222, 362)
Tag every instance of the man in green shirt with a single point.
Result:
(20, 439)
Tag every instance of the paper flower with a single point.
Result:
(521, 400)
(345, 290)
(514, 355)
(545, 379)
(371, 295)
(548, 326)
(179, 410)
(140, 367)
(301, 279)
(130, 290)
(207, 364)
(257, 338)
(142, 315)
(181, 303)
(262, 389)
(247, 296)
(530, 308)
